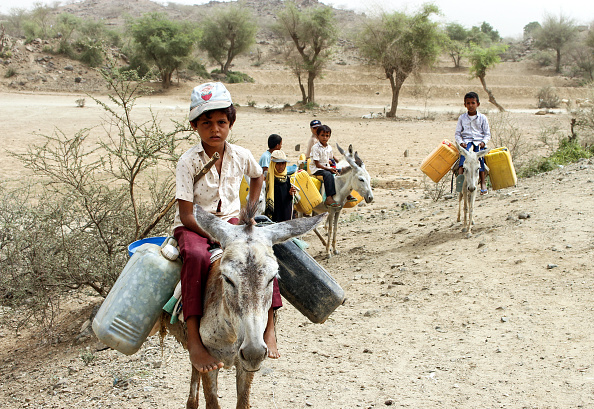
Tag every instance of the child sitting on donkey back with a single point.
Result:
(473, 132)
(321, 158)
(212, 115)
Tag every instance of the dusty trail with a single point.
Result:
(432, 319)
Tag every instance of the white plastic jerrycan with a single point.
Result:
(134, 303)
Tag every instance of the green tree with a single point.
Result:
(490, 32)
(555, 34)
(227, 34)
(481, 59)
(582, 55)
(456, 42)
(39, 23)
(401, 44)
(165, 43)
(312, 33)
(530, 29)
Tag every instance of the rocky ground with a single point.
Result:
(432, 318)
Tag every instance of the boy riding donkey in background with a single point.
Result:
(212, 115)
(472, 132)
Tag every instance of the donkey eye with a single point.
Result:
(228, 281)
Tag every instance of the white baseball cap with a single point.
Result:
(208, 96)
(278, 156)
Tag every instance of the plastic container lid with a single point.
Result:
(152, 240)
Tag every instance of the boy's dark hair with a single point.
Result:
(274, 140)
(230, 112)
(471, 95)
(324, 128)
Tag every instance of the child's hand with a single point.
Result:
(292, 190)
(463, 145)
(482, 145)
(333, 170)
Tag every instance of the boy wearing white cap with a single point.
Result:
(212, 115)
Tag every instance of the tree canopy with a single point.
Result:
(164, 42)
(311, 33)
(228, 33)
(401, 44)
(555, 33)
(481, 59)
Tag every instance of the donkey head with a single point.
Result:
(471, 166)
(248, 267)
(360, 181)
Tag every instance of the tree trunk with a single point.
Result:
(166, 78)
(558, 66)
(311, 95)
(302, 88)
(396, 82)
(490, 94)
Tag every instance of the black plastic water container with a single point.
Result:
(305, 283)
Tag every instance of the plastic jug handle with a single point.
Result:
(169, 239)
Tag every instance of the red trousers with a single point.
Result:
(194, 273)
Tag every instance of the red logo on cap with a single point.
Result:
(206, 93)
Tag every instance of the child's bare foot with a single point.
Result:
(199, 356)
(270, 340)
(270, 336)
(201, 359)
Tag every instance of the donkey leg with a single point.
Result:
(320, 236)
(465, 226)
(209, 386)
(336, 216)
(460, 196)
(194, 389)
(471, 212)
(329, 237)
(243, 381)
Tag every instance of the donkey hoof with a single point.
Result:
(469, 235)
(336, 253)
(464, 230)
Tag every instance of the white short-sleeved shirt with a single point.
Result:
(322, 154)
(213, 188)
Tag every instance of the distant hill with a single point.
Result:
(115, 12)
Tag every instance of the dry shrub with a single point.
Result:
(548, 98)
(505, 132)
(436, 191)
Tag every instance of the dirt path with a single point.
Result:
(432, 319)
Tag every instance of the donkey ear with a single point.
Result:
(215, 226)
(462, 150)
(358, 160)
(340, 150)
(279, 232)
(482, 153)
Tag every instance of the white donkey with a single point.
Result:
(352, 177)
(237, 300)
(470, 186)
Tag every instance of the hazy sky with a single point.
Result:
(507, 16)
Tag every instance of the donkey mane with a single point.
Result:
(247, 213)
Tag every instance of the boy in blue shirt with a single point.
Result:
(473, 132)
(275, 143)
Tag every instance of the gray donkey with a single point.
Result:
(237, 300)
(353, 176)
(470, 186)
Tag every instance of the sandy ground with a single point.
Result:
(433, 319)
